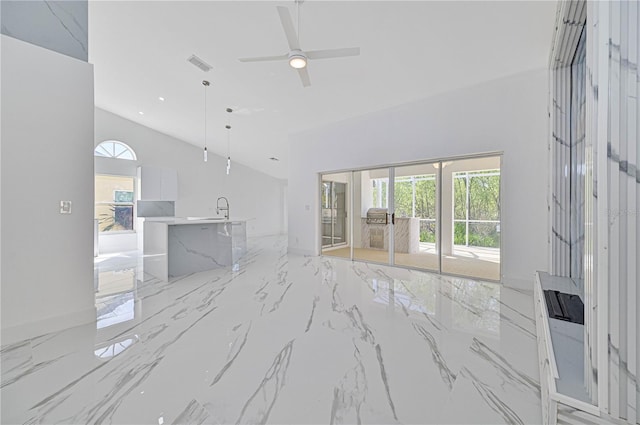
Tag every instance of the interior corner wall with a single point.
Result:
(253, 195)
(47, 157)
(507, 115)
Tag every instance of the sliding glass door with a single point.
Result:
(334, 199)
(439, 216)
(471, 245)
(371, 220)
(416, 216)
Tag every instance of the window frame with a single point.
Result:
(111, 153)
(132, 204)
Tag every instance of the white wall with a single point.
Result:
(508, 115)
(47, 151)
(252, 195)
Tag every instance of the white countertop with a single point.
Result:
(173, 221)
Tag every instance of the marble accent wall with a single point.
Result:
(623, 180)
(567, 144)
(613, 237)
(573, 194)
(590, 215)
(577, 156)
(561, 163)
(61, 26)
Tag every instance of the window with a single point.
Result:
(477, 208)
(379, 187)
(114, 203)
(114, 149)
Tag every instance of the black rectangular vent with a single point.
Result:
(563, 306)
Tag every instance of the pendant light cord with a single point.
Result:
(205, 83)
(298, 19)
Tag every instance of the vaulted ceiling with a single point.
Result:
(409, 50)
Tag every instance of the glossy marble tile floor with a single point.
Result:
(283, 339)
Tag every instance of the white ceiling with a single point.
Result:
(409, 50)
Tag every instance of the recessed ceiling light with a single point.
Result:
(141, 113)
(273, 158)
(161, 99)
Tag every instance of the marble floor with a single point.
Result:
(475, 262)
(283, 339)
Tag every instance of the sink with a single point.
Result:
(205, 218)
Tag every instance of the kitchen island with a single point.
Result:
(177, 246)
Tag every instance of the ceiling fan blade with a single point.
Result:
(245, 110)
(304, 76)
(289, 30)
(264, 58)
(333, 53)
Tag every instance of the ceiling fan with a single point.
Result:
(297, 57)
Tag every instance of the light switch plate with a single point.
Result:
(65, 207)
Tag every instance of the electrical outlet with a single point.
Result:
(65, 207)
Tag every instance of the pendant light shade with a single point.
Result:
(228, 127)
(205, 83)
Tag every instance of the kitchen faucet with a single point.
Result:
(225, 209)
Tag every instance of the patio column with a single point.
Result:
(446, 218)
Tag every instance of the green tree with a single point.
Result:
(426, 198)
(404, 198)
(483, 204)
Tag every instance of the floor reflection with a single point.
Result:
(115, 309)
(114, 349)
(469, 305)
(116, 279)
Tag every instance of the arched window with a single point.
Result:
(115, 149)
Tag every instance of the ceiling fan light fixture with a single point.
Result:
(297, 60)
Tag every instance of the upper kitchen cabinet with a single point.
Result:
(157, 184)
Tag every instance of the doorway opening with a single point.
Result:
(334, 210)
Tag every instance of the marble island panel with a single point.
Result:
(178, 246)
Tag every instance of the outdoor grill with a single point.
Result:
(377, 216)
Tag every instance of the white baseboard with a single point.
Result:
(298, 251)
(30, 330)
(519, 283)
(262, 234)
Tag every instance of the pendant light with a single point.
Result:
(205, 83)
(228, 127)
